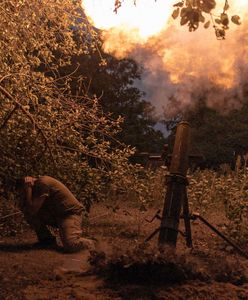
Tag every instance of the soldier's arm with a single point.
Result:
(33, 203)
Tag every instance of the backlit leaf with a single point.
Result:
(236, 20)
(207, 24)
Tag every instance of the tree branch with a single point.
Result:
(30, 117)
(9, 115)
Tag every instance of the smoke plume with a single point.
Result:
(188, 66)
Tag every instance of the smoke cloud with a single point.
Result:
(188, 66)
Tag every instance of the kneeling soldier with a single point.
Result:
(48, 202)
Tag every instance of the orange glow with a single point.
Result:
(148, 34)
(146, 18)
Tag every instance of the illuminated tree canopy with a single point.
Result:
(44, 127)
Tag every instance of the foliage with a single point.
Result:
(218, 133)
(113, 82)
(44, 127)
(192, 12)
(220, 138)
(122, 98)
(224, 192)
(142, 186)
(210, 191)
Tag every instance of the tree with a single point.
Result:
(113, 83)
(220, 138)
(44, 128)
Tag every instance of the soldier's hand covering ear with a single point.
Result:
(29, 180)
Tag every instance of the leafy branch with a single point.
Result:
(29, 116)
(192, 13)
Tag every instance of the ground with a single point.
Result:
(214, 271)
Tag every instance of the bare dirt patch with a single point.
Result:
(121, 268)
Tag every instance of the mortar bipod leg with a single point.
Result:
(152, 235)
(195, 216)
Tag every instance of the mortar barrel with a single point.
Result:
(176, 186)
(180, 154)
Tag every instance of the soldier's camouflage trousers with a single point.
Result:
(70, 230)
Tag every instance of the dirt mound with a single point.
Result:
(144, 266)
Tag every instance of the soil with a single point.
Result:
(212, 270)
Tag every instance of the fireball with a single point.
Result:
(146, 18)
(147, 32)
